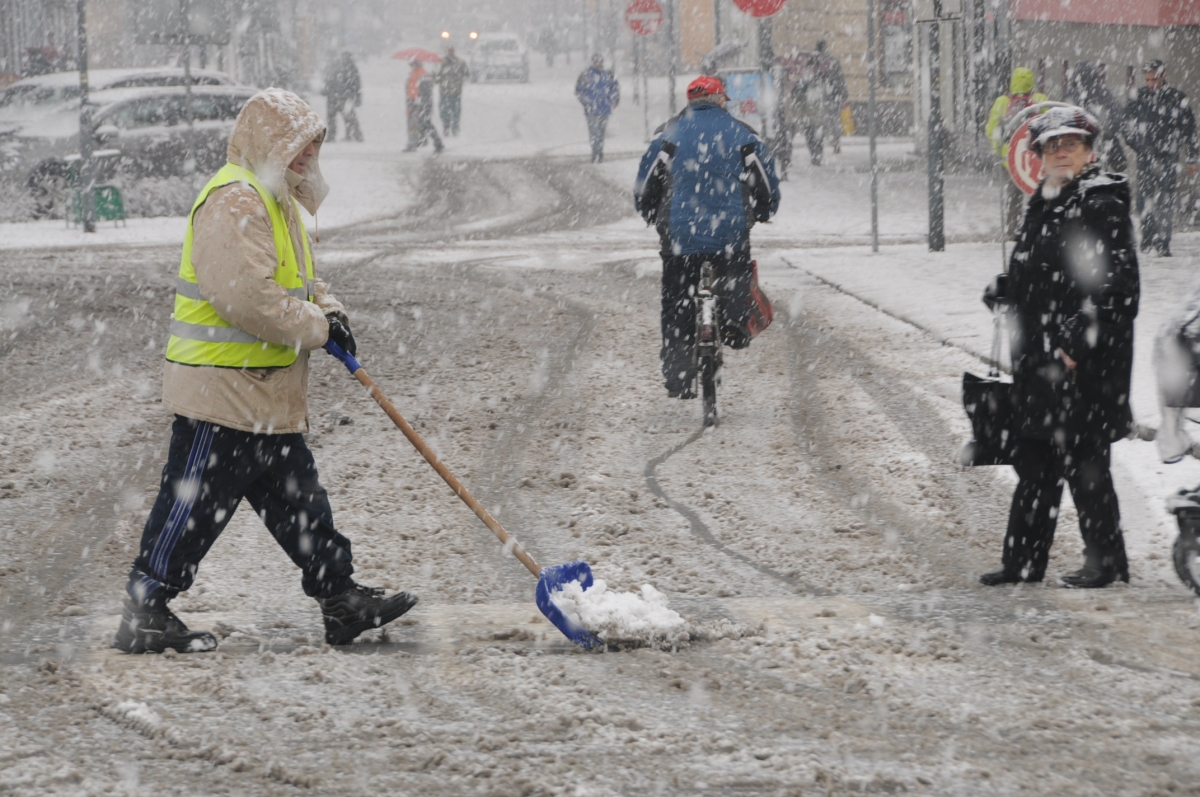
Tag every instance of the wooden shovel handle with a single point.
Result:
(462, 492)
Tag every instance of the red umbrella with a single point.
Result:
(417, 54)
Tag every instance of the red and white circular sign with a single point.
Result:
(644, 17)
(760, 8)
(1024, 167)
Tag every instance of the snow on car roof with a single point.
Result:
(64, 120)
(99, 78)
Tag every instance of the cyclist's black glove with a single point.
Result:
(339, 333)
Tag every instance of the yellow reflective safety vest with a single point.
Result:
(199, 336)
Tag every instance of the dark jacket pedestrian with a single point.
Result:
(1072, 291)
(451, 76)
(248, 310)
(704, 182)
(1161, 128)
(418, 92)
(1088, 90)
(827, 94)
(343, 87)
(599, 93)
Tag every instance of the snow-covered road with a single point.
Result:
(821, 539)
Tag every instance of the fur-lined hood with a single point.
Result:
(1092, 181)
(272, 129)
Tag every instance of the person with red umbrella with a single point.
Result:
(419, 109)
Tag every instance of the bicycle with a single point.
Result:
(708, 343)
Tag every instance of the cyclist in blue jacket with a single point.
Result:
(705, 180)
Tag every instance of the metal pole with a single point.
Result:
(673, 47)
(937, 210)
(645, 90)
(636, 54)
(189, 161)
(587, 55)
(765, 58)
(86, 172)
(871, 126)
(716, 23)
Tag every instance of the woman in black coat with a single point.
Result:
(1072, 290)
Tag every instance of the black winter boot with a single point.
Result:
(998, 577)
(360, 609)
(155, 628)
(1093, 577)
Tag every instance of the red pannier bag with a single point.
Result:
(761, 311)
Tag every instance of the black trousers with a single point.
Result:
(681, 279)
(1158, 179)
(345, 107)
(597, 125)
(1041, 470)
(209, 470)
(420, 128)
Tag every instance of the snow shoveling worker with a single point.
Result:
(1072, 291)
(705, 180)
(248, 310)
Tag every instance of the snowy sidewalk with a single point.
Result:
(940, 293)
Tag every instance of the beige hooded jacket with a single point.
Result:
(233, 253)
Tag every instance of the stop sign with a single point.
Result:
(760, 8)
(1024, 167)
(644, 17)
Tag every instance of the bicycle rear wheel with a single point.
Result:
(708, 389)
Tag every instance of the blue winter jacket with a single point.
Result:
(704, 181)
(598, 90)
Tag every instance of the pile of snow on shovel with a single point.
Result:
(641, 617)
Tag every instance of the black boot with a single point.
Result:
(360, 609)
(153, 628)
(998, 577)
(1093, 577)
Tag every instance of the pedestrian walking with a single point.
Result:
(1088, 90)
(599, 93)
(343, 87)
(788, 113)
(451, 76)
(832, 96)
(1072, 294)
(248, 309)
(704, 182)
(1160, 127)
(1019, 97)
(419, 105)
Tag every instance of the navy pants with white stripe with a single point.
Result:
(209, 470)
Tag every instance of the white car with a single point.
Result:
(499, 56)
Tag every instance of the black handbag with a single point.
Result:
(989, 404)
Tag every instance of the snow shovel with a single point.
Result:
(549, 579)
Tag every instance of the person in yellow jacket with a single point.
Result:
(1019, 97)
(248, 309)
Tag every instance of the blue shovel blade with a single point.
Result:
(554, 579)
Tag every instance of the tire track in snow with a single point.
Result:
(701, 530)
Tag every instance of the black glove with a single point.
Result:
(996, 292)
(339, 333)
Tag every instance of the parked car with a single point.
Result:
(499, 56)
(140, 133)
(29, 98)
